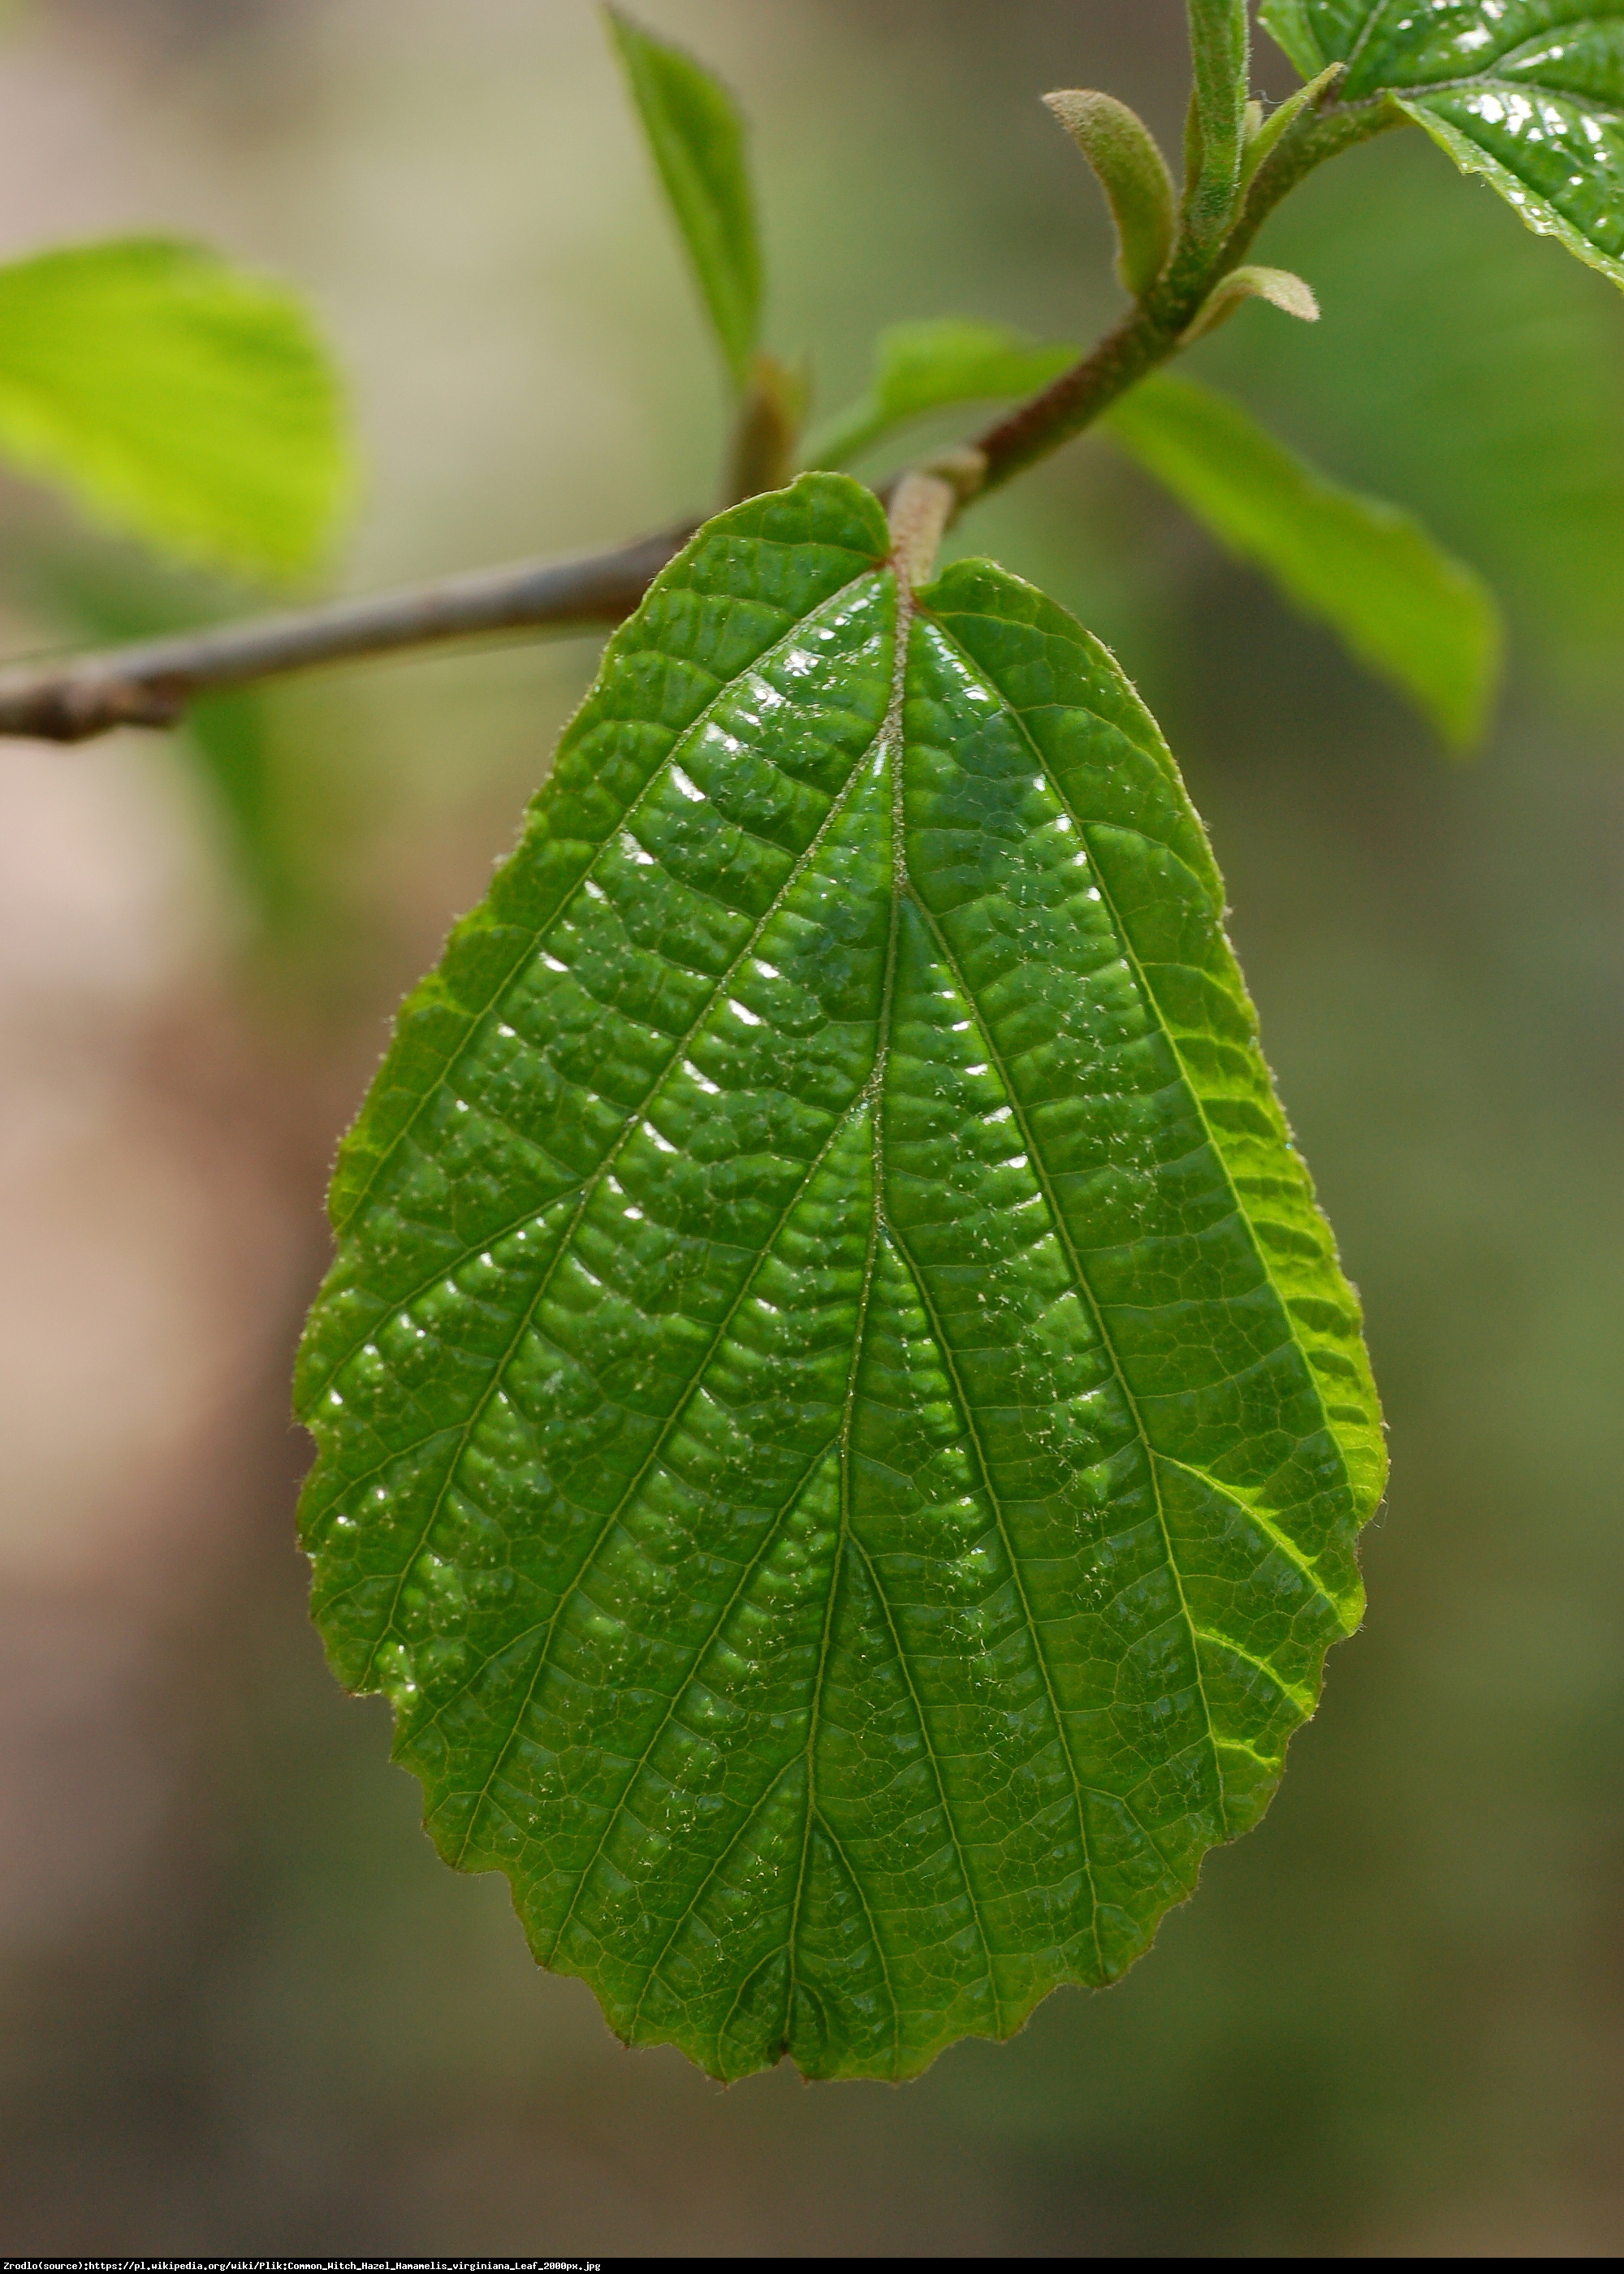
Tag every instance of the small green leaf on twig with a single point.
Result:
(698, 138)
(927, 367)
(1134, 174)
(1409, 611)
(177, 397)
(1278, 286)
(1262, 138)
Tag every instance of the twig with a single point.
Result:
(150, 682)
(1154, 332)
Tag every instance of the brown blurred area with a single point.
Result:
(245, 2007)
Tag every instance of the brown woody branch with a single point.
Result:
(150, 682)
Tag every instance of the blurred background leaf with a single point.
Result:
(1404, 606)
(930, 366)
(698, 141)
(1463, 369)
(177, 397)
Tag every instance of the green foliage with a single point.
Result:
(842, 1433)
(698, 138)
(1131, 171)
(1262, 136)
(1410, 610)
(1461, 369)
(1218, 57)
(176, 397)
(1526, 93)
(1278, 286)
(930, 366)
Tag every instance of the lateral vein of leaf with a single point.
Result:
(618, 1806)
(1301, 1698)
(1063, 1232)
(463, 1437)
(588, 1189)
(1130, 958)
(661, 1439)
(846, 1863)
(1371, 21)
(530, 936)
(737, 2000)
(401, 1304)
(948, 1816)
(1086, 833)
(973, 1434)
(1271, 1531)
(691, 1907)
(1492, 79)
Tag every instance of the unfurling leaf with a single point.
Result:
(1527, 93)
(177, 397)
(1219, 55)
(930, 366)
(1134, 174)
(841, 1430)
(1404, 607)
(1278, 286)
(698, 138)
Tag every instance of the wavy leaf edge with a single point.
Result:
(396, 1592)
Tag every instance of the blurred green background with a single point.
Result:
(246, 2010)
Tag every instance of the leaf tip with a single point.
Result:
(1128, 163)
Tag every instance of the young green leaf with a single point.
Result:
(1131, 171)
(930, 366)
(1219, 58)
(1527, 94)
(1278, 286)
(698, 138)
(1404, 607)
(841, 1430)
(177, 397)
(1263, 133)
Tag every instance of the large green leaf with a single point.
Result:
(841, 1432)
(930, 366)
(697, 139)
(177, 397)
(1410, 610)
(1527, 93)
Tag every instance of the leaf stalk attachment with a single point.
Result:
(924, 505)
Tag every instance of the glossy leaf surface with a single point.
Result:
(928, 367)
(176, 396)
(841, 1432)
(1526, 93)
(697, 139)
(1404, 607)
